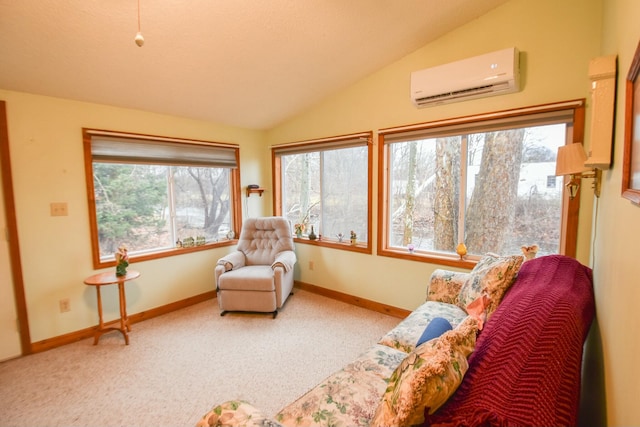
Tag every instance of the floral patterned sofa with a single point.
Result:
(512, 357)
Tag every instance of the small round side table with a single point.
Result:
(110, 278)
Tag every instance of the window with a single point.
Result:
(483, 181)
(158, 196)
(326, 184)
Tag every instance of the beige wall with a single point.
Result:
(617, 231)
(45, 137)
(557, 39)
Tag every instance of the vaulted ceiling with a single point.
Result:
(246, 63)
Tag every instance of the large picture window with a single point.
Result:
(326, 184)
(158, 196)
(488, 182)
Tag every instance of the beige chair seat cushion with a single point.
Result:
(248, 278)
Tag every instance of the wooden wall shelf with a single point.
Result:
(251, 191)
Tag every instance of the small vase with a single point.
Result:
(299, 234)
(312, 235)
(121, 269)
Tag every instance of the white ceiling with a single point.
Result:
(247, 63)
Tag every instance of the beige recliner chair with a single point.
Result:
(258, 276)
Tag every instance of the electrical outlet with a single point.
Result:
(311, 265)
(65, 305)
(59, 209)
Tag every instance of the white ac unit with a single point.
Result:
(494, 73)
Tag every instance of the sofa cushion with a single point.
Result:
(491, 276)
(348, 397)
(444, 286)
(434, 329)
(427, 377)
(405, 336)
(237, 413)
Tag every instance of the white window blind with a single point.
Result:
(489, 124)
(325, 144)
(140, 149)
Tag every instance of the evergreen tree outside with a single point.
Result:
(130, 204)
(151, 207)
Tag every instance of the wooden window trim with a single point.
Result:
(570, 207)
(234, 176)
(276, 171)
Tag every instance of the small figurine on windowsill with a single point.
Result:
(529, 252)
(354, 238)
(461, 250)
(122, 261)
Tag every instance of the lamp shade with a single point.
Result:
(570, 160)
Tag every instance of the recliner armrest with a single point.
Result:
(232, 261)
(444, 286)
(285, 259)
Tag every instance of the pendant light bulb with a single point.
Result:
(139, 39)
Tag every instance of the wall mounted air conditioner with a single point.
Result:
(494, 73)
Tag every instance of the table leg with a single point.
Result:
(101, 323)
(124, 320)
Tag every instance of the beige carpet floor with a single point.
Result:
(179, 365)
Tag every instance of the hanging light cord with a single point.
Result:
(139, 39)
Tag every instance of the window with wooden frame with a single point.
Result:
(325, 185)
(481, 180)
(159, 196)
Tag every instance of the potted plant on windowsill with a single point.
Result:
(299, 229)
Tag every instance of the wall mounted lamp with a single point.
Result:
(570, 161)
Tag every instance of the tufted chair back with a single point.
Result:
(261, 239)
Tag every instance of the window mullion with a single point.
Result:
(172, 203)
(462, 199)
(322, 195)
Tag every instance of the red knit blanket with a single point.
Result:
(525, 370)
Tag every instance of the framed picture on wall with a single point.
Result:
(631, 156)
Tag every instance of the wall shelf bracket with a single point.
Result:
(251, 191)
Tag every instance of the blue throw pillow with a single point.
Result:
(435, 328)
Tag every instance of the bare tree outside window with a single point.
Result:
(202, 195)
(504, 202)
(491, 208)
(325, 184)
(149, 207)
